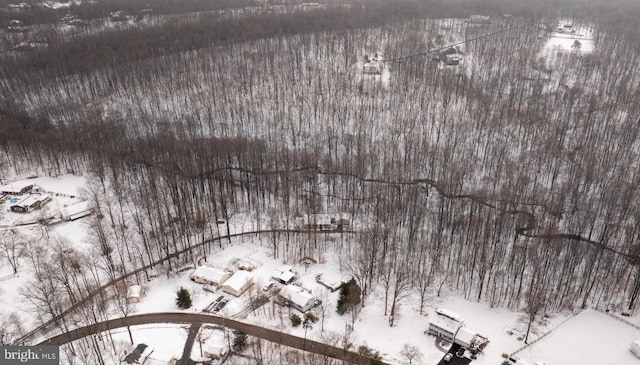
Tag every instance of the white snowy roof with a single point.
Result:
(75, 209)
(465, 335)
(296, 295)
(134, 291)
(447, 320)
(449, 314)
(16, 186)
(25, 202)
(283, 273)
(238, 280)
(209, 273)
(218, 349)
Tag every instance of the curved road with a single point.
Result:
(200, 318)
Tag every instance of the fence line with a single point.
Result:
(618, 318)
(545, 334)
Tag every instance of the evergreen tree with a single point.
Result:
(295, 320)
(184, 298)
(349, 296)
(239, 341)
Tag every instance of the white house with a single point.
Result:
(297, 297)
(238, 283)
(283, 274)
(635, 348)
(135, 294)
(210, 276)
(76, 211)
(16, 188)
(445, 324)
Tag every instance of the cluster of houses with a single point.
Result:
(25, 197)
(240, 281)
(213, 279)
(450, 327)
(20, 199)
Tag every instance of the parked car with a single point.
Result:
(448, 357)
(220, 305)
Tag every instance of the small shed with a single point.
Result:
(297, 297)
(210, 276)
(135, 294)
(216, 350)
(283, 274)
(238, 283)
(635, 348)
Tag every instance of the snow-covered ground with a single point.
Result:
(590, 338)
(570, 38)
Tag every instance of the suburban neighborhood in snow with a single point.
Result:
(266, 182)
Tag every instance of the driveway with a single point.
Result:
(455, 360)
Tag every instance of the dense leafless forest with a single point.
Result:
(510, 179)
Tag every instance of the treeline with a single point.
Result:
(84, 54)
(36, 13)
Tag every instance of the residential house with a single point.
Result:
(238, 283)
(297, 297)
(450, 56)
(210, 276)
(16, 188)
(445, 324)
(373, 65)
(479, 19)
(323, 222)
(30, 203)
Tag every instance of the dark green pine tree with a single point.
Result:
(184, 298)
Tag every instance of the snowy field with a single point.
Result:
(569, 38)
(590, 338)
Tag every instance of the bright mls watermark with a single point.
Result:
(18, 355)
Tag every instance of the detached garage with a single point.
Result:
(238, 283)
